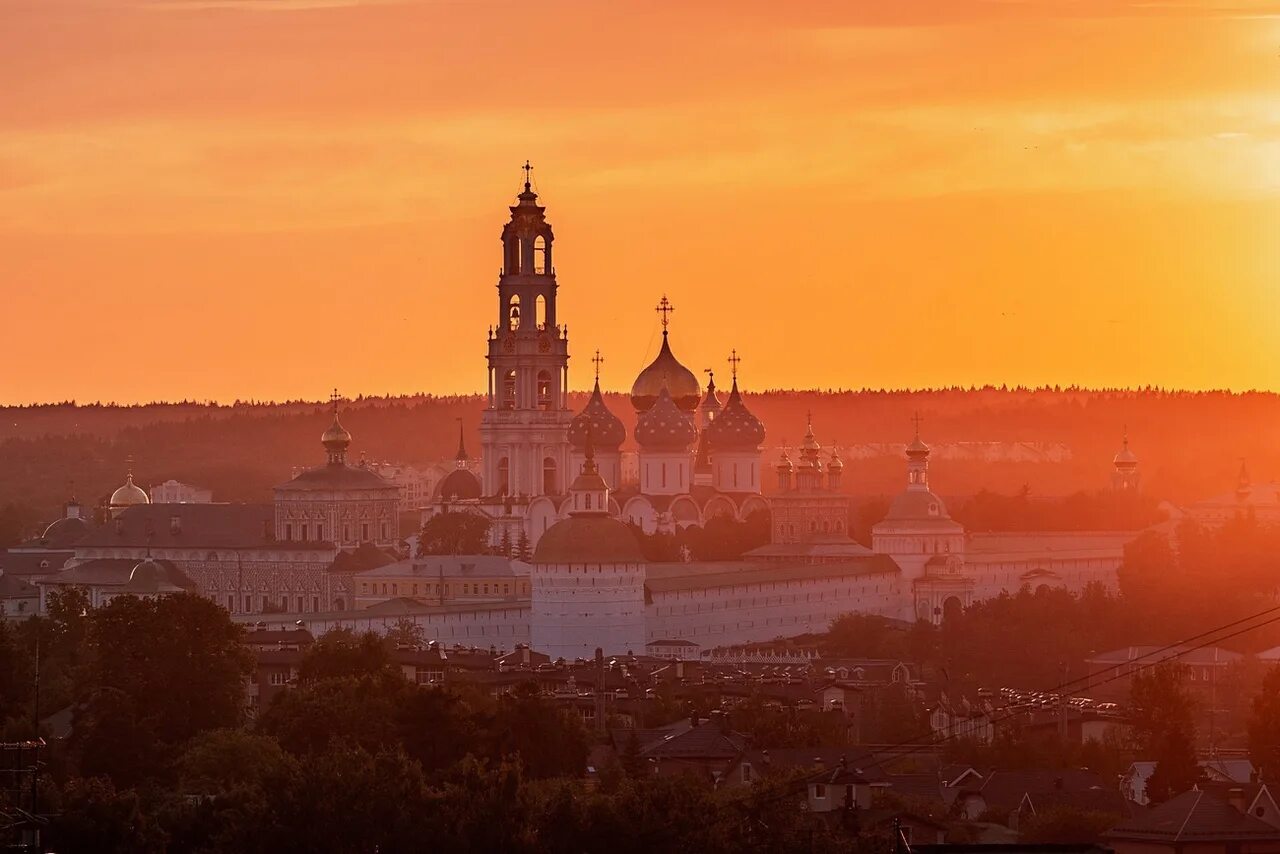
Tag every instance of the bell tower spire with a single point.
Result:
(524, 429)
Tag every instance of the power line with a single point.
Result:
(932, 740)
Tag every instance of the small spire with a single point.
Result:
(589, 454)
(461, 457)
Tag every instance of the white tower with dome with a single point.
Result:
(917, 532)
(588, 578)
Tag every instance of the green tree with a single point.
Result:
(454, 533)
(341, 652)
(549, 741)
(1264, 728)
(406, 632)
(220, 761)
(1176, 768)
(1067, 824)
(157, 672)
(95, 817)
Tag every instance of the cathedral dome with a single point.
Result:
(150, 577)
(785, 464)
(459, 485)
(65, 532)
(665, 427)
(129, 494)
(917, 505)
(588, 539)
(735, 428)
(836, 463)
(605, 428)
(666, 372)
(336, 438)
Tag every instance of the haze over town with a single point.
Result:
(699, 427)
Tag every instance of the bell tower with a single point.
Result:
(524, 429)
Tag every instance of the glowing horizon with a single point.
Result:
(262, 199)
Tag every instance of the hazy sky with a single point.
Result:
(267, 198)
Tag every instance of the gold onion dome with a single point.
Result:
(664, 427)
(836, 463)
(735, 428)
(666, 371)
(336, 438)
(129, 494)
(596, 421)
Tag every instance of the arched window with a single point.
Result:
(513, 312)
(509, 390)
(540, 310)
(549, 478)
(504, 476)
(544, 388)
(540, 264)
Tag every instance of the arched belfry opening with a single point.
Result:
(513, 312)
(541, 260)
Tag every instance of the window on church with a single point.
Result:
(364, 532)
(231, 603)
(288, 532)
(549, 485)
(346, 533)
(509, 390)
(302, 532)
(315, 603)
(320, 533)
(540, 260)
(544, 390)
(513, 313)
(540, 310)
(504, 476)
(383, 529)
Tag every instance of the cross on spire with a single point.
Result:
(333, 400)
(733, 363)
(598, 360)
(528, 168)
(917, 419)
(665, 308)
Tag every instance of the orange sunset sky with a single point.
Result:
(266, 198)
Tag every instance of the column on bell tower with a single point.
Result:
(524, 429)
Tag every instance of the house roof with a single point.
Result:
(1005, 789)
(16, 587)
(1202, 656)
(199, 526)
(21, 562)
(1194, 816)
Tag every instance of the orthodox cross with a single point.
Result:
(917, 419)
(733, 362)
(598, 360)
(665, 308)
(527, 167)
(333, 399)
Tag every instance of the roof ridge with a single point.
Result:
(1199, 795)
